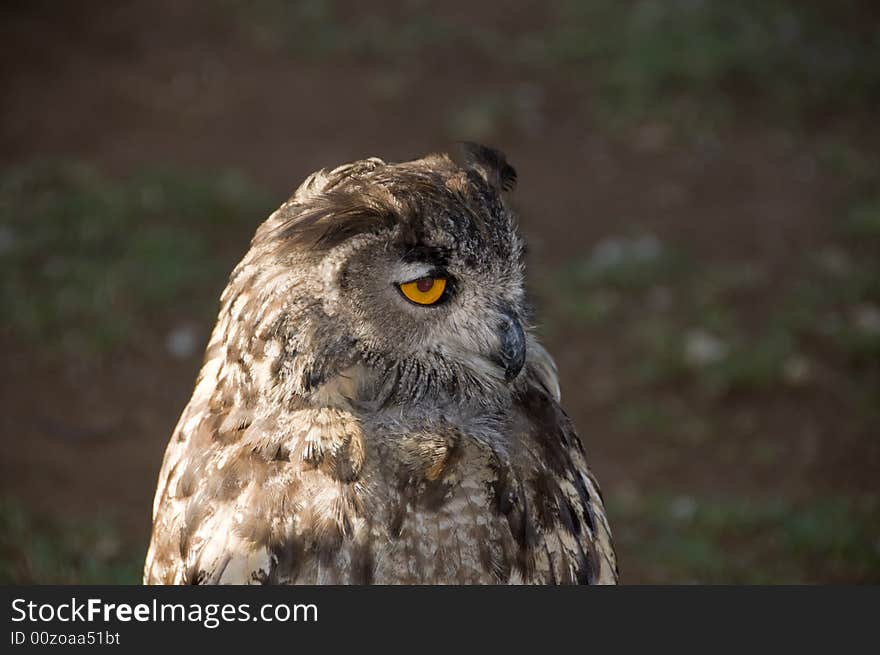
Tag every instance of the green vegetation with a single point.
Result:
(35, 549)
(319, 28)
(689, 60)
(86, 259)
(683, 539)
(690, 63)
(687, 323)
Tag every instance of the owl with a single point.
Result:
(373, 407)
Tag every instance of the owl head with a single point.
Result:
(405, 277)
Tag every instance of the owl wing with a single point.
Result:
(552, 501)
(211, 485)
(255, 497)
(194, 507)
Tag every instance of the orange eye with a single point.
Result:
(424, 291)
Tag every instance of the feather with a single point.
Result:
(338, 434)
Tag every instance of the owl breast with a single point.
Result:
(426, 501)
(332, 498)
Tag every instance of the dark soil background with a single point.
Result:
(698, 188)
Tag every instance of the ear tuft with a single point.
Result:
(492, 165)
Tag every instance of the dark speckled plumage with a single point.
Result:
(339, 433)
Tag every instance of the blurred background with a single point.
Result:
(699, 188)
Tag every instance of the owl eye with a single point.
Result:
(425, 290)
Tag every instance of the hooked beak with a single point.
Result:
(512, 355)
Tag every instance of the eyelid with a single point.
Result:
(413, 271)
(433, 272)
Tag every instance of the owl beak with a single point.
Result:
(513, 346)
